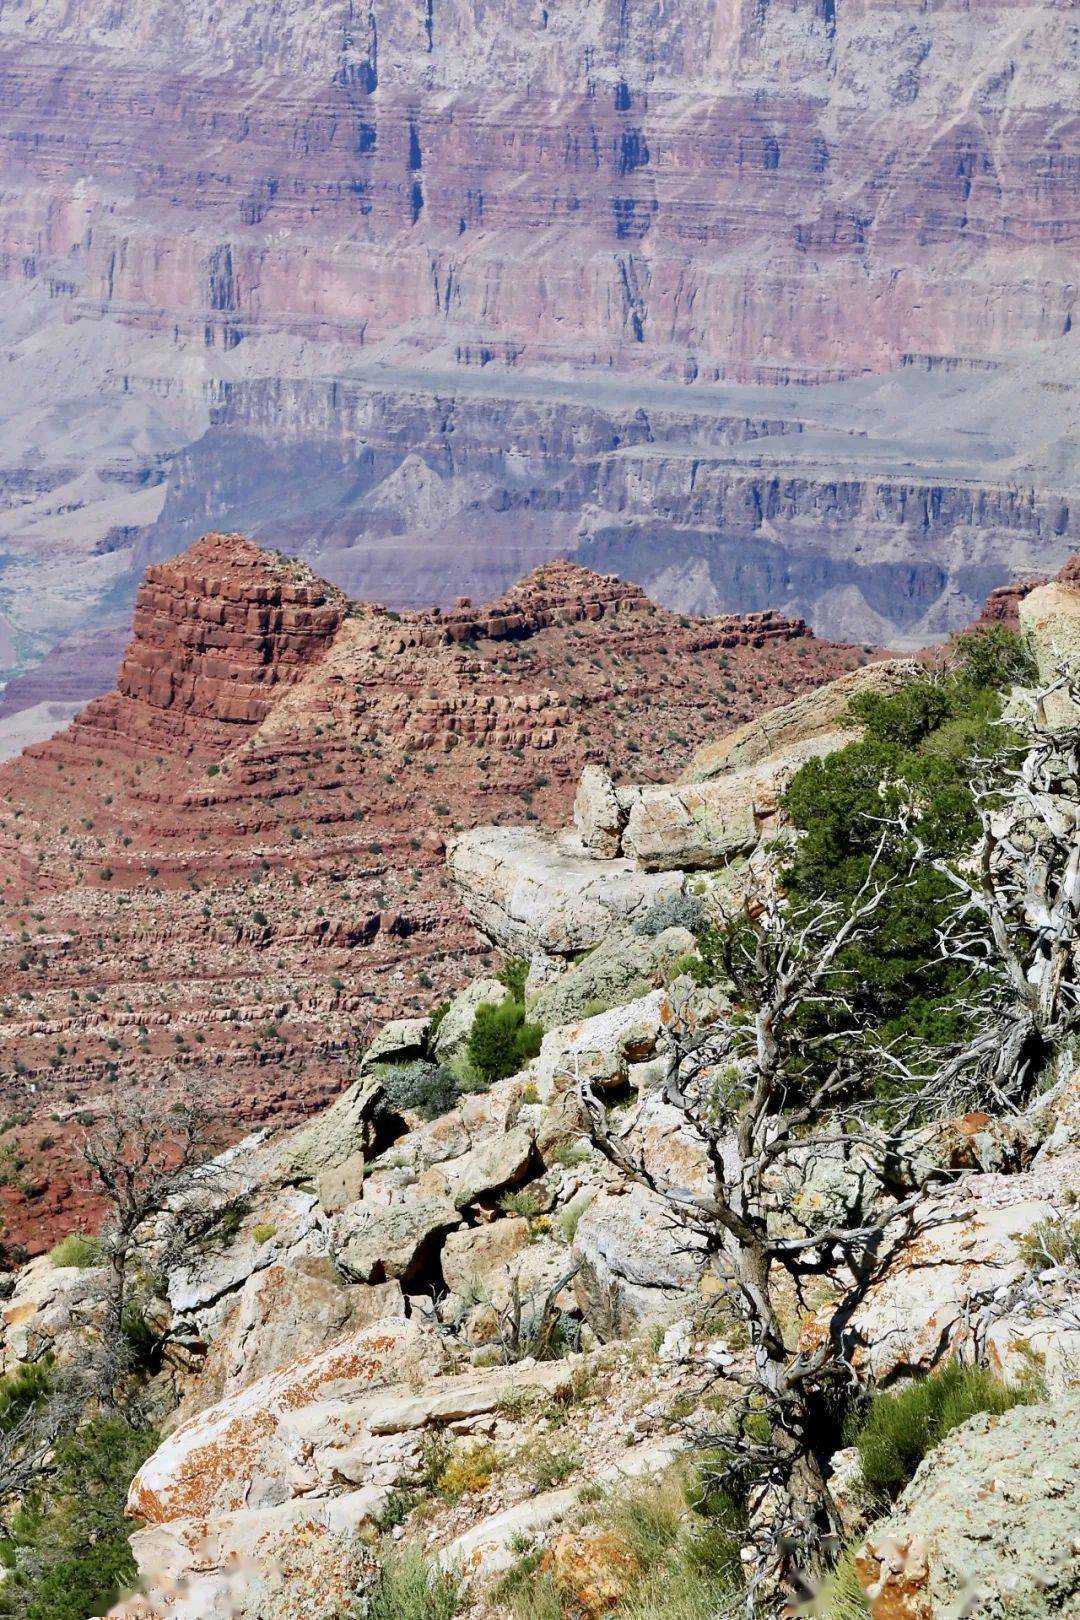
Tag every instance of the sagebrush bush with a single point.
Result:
(840, 1595)
(677, 911)
(524, 1202)
(567, 1218)
(548, 1468)
(28, 1386)
(411, 1587)
(529, 1592)
(902, 1427)
(427, 1089)
(77, 1249)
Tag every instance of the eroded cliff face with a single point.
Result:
(798, 182)
(259, 259)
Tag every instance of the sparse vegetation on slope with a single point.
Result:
(410, 1587)
(67, 1552)
(903, 1426)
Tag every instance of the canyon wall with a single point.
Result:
(356, 277)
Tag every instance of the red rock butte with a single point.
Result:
(218, 633)
(232, 865)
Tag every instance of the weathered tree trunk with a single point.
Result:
(792, 1509)
(112, 1359)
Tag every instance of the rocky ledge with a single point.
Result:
(224, 863)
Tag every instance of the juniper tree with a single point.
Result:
(146, 1152)
(793, 1068)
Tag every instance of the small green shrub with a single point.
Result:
(231, 1219)
(513, 975)
(427, 1089)
(436, 1019)
(529, 1594)
(263, 1231)
(677, 911)
(501, 1042)
(68, 1549)
(901, 1427)
(524, 1203)
(26, 1387)
(840, 1596)
(1053, 1242)
(686, 1561)
(436, 1450)
(410, 1587)
(548, 1469)
(77, 1249)
(570, 1152)
(566, 1220)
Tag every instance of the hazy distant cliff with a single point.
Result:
(292, 245)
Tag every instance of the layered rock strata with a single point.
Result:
(299, 270)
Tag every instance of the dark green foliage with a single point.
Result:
(232, 1217)
(27, 1387)
(143, 1344)
(86, 1584)
(900, 1429)
(513, 975)
(709, 965)
(436, 1019)
(994, 656)
(916, 751)
(68, 1549)
(501, 1042)
(427, 1089)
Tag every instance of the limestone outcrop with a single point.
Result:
(810, 725)
(619, 970)
(988, 1523)
(632, 845)
(529, 891)
(966, 1280)
(637, 1271)
(1050, 621)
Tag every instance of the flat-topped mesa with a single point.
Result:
(218, 632)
